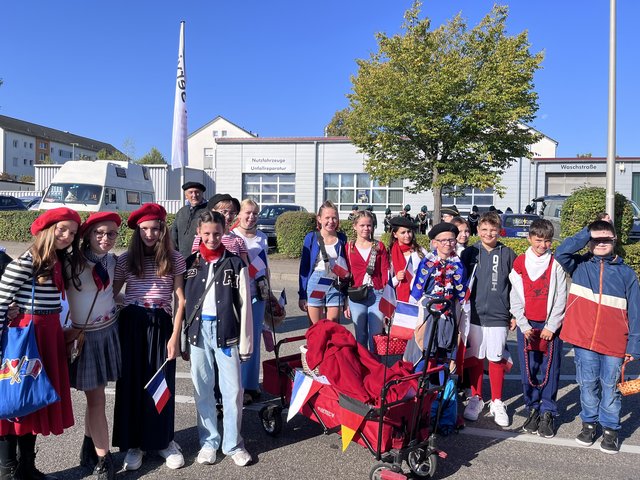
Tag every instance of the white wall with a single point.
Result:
(203, 139)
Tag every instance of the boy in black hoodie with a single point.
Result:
(489, 263)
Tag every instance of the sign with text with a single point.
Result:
(268, 165)
(591, 167)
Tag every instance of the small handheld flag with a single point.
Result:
(405, 320)
(321, 288)
(158, 389)
(304, 387)
(257, 264)
(340, 268)
(282, 301)
(387, 303)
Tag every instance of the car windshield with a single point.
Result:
(73, 193)
(272, 212)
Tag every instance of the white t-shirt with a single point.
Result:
(255, 245)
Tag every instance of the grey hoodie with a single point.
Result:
(491, 287)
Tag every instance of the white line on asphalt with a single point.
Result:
(526, 437)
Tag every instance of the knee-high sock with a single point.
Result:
(474, 370)
(496, 379)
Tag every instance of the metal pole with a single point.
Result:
(611, 124)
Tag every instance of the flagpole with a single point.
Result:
(179, 149)
(155, 374)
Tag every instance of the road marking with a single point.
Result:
(526, 437)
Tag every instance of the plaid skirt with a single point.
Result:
(99, 362)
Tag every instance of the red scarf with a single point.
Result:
(211, 255)
(399, 263)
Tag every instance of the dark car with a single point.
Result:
(7, 202)
(268, 216)
(516, 224)
(31, 201)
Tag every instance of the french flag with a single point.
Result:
(387, 303)
(282, 301)
(257, 264)
(340, 268)
(321, 288)
(158, 389)
(405, 320)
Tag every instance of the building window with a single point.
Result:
(567, 183)
(15, 144)
(208, 158)
(31, 145)
(266, 188)
(31, 162)
(15, 161)
(349, 189)
(25, 161)
(25, 144)
(42, 145)
(483, 199)
(64, 153)
(51, 149)
(215, 133)
(224, 133)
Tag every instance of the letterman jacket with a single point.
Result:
(233, 301)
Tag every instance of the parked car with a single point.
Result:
(516, 224)
(31, 202)
(551, 206)
(268, 216)
(7, 202)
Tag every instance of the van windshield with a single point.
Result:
(73, 193)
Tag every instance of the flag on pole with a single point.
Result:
(321, 288)
(304, 387)
(340, 268)
(158, 389)
(258, 264)
(352, 415)
(282, 301)
(405, 320)
(179, 136)
(387, 303)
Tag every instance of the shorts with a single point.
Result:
(487, 342)
(333, 297)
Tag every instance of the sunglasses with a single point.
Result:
(602, 241)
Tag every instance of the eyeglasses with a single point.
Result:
(110, 235)
(446, 240)
(231, 213)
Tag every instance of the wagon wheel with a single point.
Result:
(271, 419)
(378, 468)
(421, 464)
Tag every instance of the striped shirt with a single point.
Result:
(232, 242)
(150, 290)
(16, 285)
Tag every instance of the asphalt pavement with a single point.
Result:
(481, 450)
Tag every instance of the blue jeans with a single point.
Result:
(333, 297)
(598, 376)
(251, 368)
(542, 399)
(203, 356)
(367, 318)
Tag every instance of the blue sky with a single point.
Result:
(106, 70)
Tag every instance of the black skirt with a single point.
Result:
(144, 334)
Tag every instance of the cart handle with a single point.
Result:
(288, 340)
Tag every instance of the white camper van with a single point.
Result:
(99, 186)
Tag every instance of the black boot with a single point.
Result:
(8, 457)
(88, 455)
(105, 470)
(27, 460)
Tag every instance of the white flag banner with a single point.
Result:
(179, 137)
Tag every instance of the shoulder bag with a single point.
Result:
(359, 294)
(74, 336)
(24, 385)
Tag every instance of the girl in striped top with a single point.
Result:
(35, 281)
(153, 271)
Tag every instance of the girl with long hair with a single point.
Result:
(35, 281)
(406, 255)
(320, 252)
(93, 309)
(366, 316)
(149, 337)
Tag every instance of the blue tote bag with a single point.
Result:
(24, 385)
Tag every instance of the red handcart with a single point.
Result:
(395, 432)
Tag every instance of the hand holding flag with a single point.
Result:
(340, 268)
(158, 388)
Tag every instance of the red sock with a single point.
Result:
(474, 369)
(496, 379)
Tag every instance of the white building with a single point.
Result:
(24, 144)
(202, 143)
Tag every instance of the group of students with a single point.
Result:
(493, 291)
(209, 296)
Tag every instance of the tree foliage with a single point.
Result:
(445, 107)
(105, 154)
(337, 126)
(154, 157)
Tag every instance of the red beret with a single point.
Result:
(98, 217)
(149, 211)
(53, 216)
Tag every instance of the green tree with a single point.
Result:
(27, 178)
(154, 157)
(105, 154)
(445, 108)
(337, 126)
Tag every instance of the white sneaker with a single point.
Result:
(206, 455)
(172, 455)
(133, 459)
(499, 413)
(241, 457)
(474, 408)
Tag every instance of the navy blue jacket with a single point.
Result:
(310, 250)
